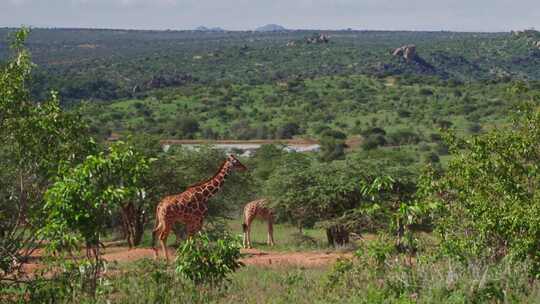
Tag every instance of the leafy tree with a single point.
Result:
(79, 203)
(288, 130)
(373, 142)
(282, 188)
(332, 149)
(354, 194)
(242, 130)
(186, 126)
(265, 161)
(309, 192)
(156, 182)
(39, 137)
(488, 196)
(333, 134)
(403, 137)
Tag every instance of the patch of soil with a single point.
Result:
(255, 257)
(302, 259)
(251, 257)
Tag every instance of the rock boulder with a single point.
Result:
(407, 51)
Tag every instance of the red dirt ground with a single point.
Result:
(256, 257)
(303, 259)
(252, 257)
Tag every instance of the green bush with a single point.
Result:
(202, 260)
(404, 137)
(432, 158)
(373, 142)
(488, 196)
(332, 149)
(288, 130)
(377, 251)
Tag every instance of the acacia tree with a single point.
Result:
(283, 186)
(306, 192)
(340, 196)
(37, 137)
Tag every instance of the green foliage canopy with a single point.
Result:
(80, 202)
(489, 203)
(38, 138)
(202, 260)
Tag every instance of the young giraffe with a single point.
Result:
(190, 207)
(252, 210)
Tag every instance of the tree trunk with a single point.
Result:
(337, 235)
(127, 223)
(138, 230)
(125, 226)
(133, 220)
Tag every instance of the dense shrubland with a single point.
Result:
(393, 116)
(111, 64)
(444, 177)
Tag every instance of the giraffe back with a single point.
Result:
(184, 207)
(258, 208)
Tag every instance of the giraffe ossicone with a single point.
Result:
(190, 207)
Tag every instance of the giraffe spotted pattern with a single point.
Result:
(191, 206)
(257, 209)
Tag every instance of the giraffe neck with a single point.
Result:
(212, 186)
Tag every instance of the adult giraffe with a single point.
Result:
(190, 207)
(257, 209)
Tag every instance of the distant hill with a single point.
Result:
(69, 59)
(209, 29)
(271, 28)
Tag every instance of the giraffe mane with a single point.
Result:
(208, 179)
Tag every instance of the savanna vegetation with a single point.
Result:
(438, 203)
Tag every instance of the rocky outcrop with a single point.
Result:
(407, 51)
(526, 33)
(318, 38)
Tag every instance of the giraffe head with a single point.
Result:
(234, 163)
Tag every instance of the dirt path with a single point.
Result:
(304, 259)
(252, 257)
(121, 254)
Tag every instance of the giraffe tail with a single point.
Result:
(244, 227)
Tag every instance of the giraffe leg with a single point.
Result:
(245, 229)
(244, 235)
(248, 232)
(246, 241)
(270, 232)
(163, 235)
(158, 228)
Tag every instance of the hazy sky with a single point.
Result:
(459, 15)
